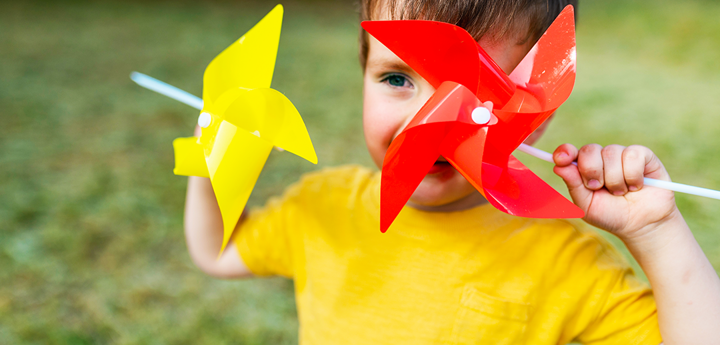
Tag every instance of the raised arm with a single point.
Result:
(204, 232)
(607, 184)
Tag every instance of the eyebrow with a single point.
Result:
(389, 64)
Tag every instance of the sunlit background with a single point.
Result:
(91, 233)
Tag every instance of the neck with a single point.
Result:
(472, 200)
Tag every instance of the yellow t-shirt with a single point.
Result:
(477, 276)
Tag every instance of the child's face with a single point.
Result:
(393, 94)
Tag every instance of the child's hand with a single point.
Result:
(607, 184)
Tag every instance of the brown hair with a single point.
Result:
(498, 18)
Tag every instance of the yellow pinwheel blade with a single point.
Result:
(248, 63)
(234, 163)
(189, 158)
(271, 116)
(246, 119)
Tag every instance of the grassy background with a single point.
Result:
(91, 243)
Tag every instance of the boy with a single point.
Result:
(452, 269)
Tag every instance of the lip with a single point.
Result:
(440, 166)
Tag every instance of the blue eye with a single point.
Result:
(397, 80)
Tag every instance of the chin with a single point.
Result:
(441, 189)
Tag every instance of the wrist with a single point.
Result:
(655, 238)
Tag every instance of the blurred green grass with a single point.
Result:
(91, 243)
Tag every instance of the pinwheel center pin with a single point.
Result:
(480, 115)
(204, 120)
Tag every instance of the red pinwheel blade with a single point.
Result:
(511, 130)
(545, 79)
(547, 73)
(447, 114)
(510, 187)
(442, 52)
(408, 160)
(464, 150)
(518, 191)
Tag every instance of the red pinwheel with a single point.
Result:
(479, 147)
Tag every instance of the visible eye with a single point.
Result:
(397, 80)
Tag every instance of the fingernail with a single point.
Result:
(618, 193)
(594, 184)
(562, 155)
(633, 188)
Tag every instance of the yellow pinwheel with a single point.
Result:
(242, 118)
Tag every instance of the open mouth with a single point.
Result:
(440, 166)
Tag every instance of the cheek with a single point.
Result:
(380, 123)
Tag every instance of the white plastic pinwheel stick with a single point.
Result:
(204, 120)
(673, 186)
(481, 115)
(162, 88)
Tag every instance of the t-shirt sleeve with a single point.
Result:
(627, 315)
(265, 238)
(616, 307)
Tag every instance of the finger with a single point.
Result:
(581, 196)
(638, 162)
(565, 154)
(634, 166)
(198, 131)
(653, 166)
(590, 165)
(613, 169)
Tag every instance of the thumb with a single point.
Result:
(564, 156)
